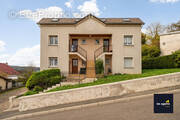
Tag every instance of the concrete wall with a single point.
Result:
(92, 26)
(169, 43)
(100, 91)
(2, 84)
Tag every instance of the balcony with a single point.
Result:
(79, 50)
(103, 49)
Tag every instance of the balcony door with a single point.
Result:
(106, 45)
(74, 47)
(74, 66)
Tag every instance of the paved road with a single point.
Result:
(138, 109)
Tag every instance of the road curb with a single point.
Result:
(84, 106)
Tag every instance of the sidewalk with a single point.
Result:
(16, 112)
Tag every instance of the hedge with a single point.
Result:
(162, 62)
(44, 79)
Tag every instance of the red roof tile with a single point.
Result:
(4, 68)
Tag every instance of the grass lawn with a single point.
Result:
(116, 78)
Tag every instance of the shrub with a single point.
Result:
(37, 89)
(55, 80)
(30, 92)
(150, 51)
(42, 79)
(177, 58)
(99, 66)
(159, 62)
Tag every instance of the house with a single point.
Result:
(8, 71)
(5, 83)
(169, 42)
(74, 44)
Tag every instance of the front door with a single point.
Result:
(74, 45)
(74, 66)
(106, 45)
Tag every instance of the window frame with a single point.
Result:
(82, 42)
(54, 42)
(96, 42)
(132, 64)
(49, 60)
(126, 41)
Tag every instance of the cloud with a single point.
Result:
(86, 8)
(69, 3)
(50, 12)
(164, 1)
(23, 57)
(2, 46)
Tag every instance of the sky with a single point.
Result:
(20, 35)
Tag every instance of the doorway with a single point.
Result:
(74, 66)
(106, 45)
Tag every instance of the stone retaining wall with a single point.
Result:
(99, 91)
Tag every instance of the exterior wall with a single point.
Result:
(169, 43)
(92, 26)
(2, 84)
(99, 91)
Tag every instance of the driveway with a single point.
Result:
(4, 97)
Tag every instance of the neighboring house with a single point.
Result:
(73, 44)
(9, 72)
(5, 83)
(169, 42)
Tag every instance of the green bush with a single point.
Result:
(30, 92)
(37, 89)
(99, 66)
(42, 79)
(159, 62)
(150, 51)
(55, 80)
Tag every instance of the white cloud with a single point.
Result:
(2, 46)
(88, 7)
(69, 3)
(164, 1)
(23, 57)
(50, 12)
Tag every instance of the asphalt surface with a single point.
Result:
(138, 109)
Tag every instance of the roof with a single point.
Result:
(4, 78)
(107, 21)
(171, 33)
(4, 68)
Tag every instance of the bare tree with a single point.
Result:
(27, 72)
(155, 29)
(173, 27)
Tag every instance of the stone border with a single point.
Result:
(84, 106)
(98, 91)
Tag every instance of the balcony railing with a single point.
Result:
(102, 49)
(80, 50)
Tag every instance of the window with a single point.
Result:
(53, 40)
(97, 42)
(83, 42)
(53, 61)
(128, 62)
(83, 63)
(128, 39)
(107, 61)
